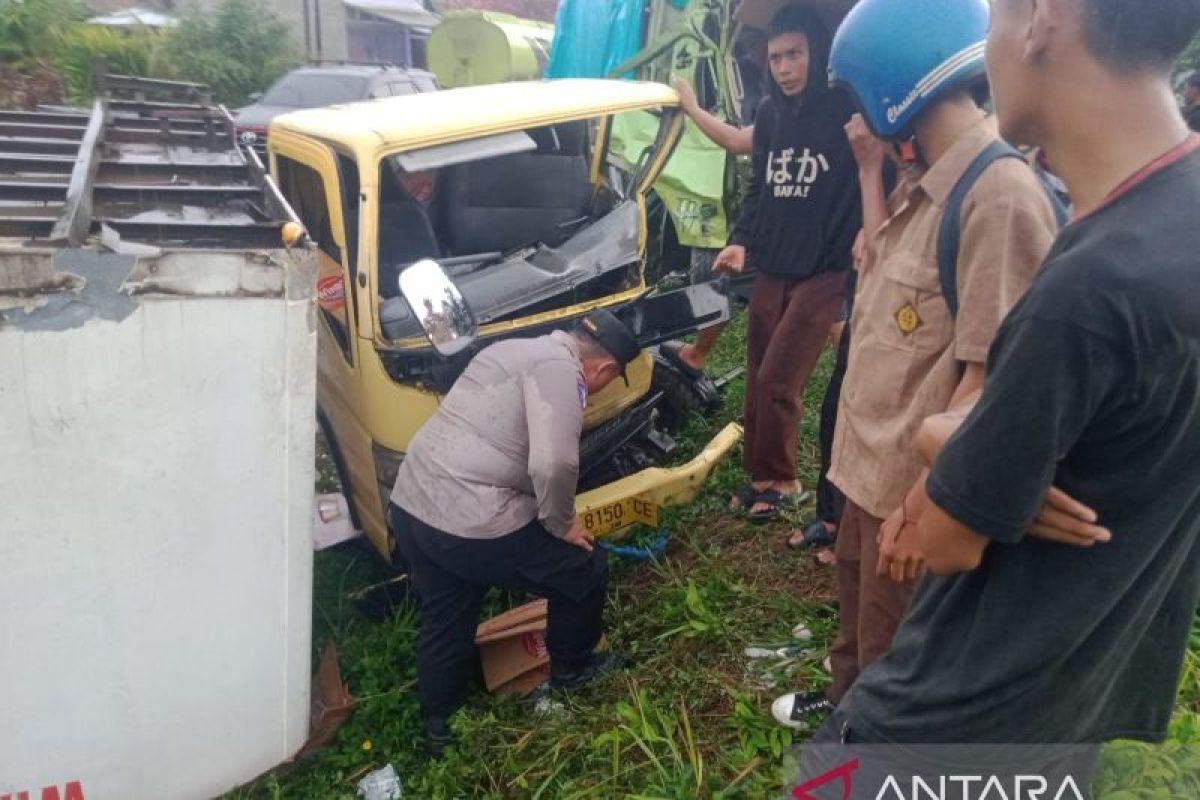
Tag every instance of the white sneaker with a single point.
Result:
(796, 710)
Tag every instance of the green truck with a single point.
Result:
(719, 46)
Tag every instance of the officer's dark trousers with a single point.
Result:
(452, 574)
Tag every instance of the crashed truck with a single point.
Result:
(157, 412)
(719, 47)
(514, 191)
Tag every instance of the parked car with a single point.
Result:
(316, 86)
(515, 191)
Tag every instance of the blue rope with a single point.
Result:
(655, 548)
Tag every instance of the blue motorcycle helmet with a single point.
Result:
(898, 57)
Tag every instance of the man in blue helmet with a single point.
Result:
(1093, 387)
(920, 332)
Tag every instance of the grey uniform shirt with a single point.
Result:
(503, 447)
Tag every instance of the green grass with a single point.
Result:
(690, 720)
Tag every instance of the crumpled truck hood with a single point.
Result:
(497, 290)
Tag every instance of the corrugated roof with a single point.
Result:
(134, 17)
(406, 12)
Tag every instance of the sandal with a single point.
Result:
(776, 501)
(670, 352)
(816, 535)
(791, 710)
(743, 498)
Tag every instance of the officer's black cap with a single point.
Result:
(613, 335)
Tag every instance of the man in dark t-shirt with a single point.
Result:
(1052, 619)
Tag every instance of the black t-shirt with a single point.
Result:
(802, 208)
(1093, 385)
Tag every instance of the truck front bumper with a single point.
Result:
(659, 486)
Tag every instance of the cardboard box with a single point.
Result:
(512, 649)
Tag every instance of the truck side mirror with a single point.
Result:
(437, 304)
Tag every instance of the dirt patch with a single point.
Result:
(27, 89)
(758, 555)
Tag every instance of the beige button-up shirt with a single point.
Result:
(906, 349)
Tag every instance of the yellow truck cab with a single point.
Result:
(516, 192)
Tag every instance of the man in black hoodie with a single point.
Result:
(798, 223)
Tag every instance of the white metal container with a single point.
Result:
(157, 425)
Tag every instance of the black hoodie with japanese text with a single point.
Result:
(802, 208)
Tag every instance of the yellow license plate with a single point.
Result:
(614, 516)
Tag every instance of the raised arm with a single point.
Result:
(869, 153)
(731, 138)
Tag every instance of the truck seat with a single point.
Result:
(511, 201)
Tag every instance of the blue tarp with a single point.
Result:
(594, 37)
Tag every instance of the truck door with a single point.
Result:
(318, 184)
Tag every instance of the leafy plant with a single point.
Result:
(693, 605)
(124, 52)
(758, 734)
(237, 50)
(1140, 771)
(33, 31)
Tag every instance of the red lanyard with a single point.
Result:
(1181, 151)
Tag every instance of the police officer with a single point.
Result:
(486, 497)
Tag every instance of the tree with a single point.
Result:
(238, 49)
(33, 31)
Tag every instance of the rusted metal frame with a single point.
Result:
(44, 117)
(277, 204)
(148, 195)
(221, 235)
(154, 123)
(75, 220)
(41, 165)
(197, 93)
(171, 172)
(32, 145)
(152, 107)
(27, 190)
(189, 195)
(23, 227)
(150, 172)
(72, 132)
(118, 134)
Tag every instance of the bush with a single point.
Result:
(237, 50)
(32, 32)
(125, 53)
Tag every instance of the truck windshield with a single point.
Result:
(479, 199)
(525, 229)
(497, 195)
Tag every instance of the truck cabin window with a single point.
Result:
(469, 204)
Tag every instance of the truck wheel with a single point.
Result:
(682, 396)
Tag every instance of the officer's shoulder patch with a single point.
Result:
(582, 387)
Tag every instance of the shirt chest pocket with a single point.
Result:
(918, 319)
